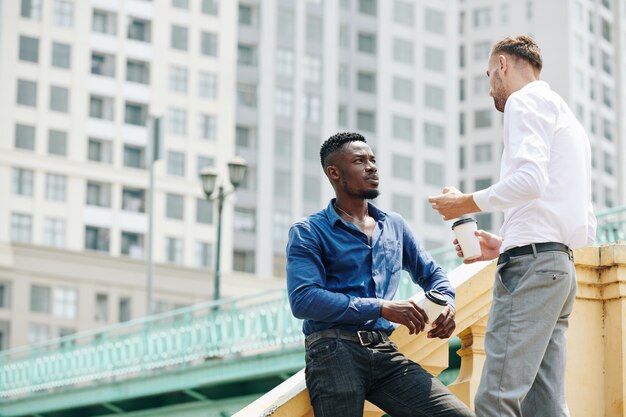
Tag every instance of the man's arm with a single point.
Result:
(306, 281)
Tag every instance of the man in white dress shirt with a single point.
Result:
(545, 193)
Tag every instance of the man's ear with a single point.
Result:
(332, 172)
(503, 63)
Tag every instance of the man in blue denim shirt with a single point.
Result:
(343, 270)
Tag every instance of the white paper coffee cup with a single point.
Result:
(433, 304)
(464, 230)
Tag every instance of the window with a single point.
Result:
(342, 115)
(208, 44)
(367, 43)
(55, 187)
(134, 156)
(403, 51)
(57, 142)
(312, 69)
(461, 56)
(609, 164)
(282, 143)
(246, 55)
(207, 85)
(209, 7)
(431, 216)
(181, 4)
(402, 167)
(462, 89)
(434, 21)
(97, 238)
(98, 194)
(99, 151)
(282, 184)
(607, 129)
(134, 200)
(204, 211)
(606, 62)
(481, 51)
(5, 297)
(461, 123)
(65, 303)
(434, 135)
(607, 96)
(21, 227)
(61, 55)
(403, 89)
(178, 39)
(138, 29)
(283, 103)
(344, 37)
(462, 157)
(402, 127)
(63, 13)
(243, 137)
(101, 107)
(27, 93)
(102, 308)
(606, 30)
(312, 105)
(136, 114)
(284, 62)
(482, 17)
(246, 95)
(366, 81)
(23, 182)
(434, 59)
(29, 49)
(285, 26)
(59, 99)
(177, 121)
(481, 85)
(243, 261)
(24, 137)
(178, 79)
(244, 220)
(38, 333)
(343, 76)
(31, 9)
(434, 97)
(202, 255)
(245, 15)
(282, 221)
(504, 14)
(174, 250)
(402, 204)
(311, 148)
(54, 232)
(482, 183)
(434, 173)
(174, 206)
(368, 7)
(132, 245)
(403, 13)
(482, 152)
(39, 299)
(207, 125)
(313, 29)
(103, 64)
(366, 120)
(137, 71)
(313, 191)
(176, 163)
(124, 309)
(104, 22)
(484, 221)
(482, 118)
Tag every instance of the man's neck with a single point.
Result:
(355, 208)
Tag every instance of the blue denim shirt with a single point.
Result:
(336, 279)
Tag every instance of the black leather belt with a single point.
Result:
(362, 337)
(528, 250)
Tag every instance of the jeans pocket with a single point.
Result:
(322, 349)
(509, 278)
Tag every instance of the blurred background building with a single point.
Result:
(268, 80)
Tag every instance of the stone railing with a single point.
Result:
(596, 372)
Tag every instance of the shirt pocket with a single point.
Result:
(393, 255)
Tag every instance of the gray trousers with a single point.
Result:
(524, 372)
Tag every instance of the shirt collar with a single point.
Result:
(333, 217)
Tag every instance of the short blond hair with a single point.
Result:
(522, 47)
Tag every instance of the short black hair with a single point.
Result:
(336, 143)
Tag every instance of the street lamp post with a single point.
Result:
(236, 171)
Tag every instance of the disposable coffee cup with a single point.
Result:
(464, 230)
(433, 304)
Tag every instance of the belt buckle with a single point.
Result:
(360, 334)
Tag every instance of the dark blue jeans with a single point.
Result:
(341, 375)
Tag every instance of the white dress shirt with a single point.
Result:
(545, 173)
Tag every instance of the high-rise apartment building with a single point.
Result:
(307, 69)
(582, 44)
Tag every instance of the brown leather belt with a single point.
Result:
(362, 337)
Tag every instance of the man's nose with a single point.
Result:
(371, 166)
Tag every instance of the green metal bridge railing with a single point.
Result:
(225, 330)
